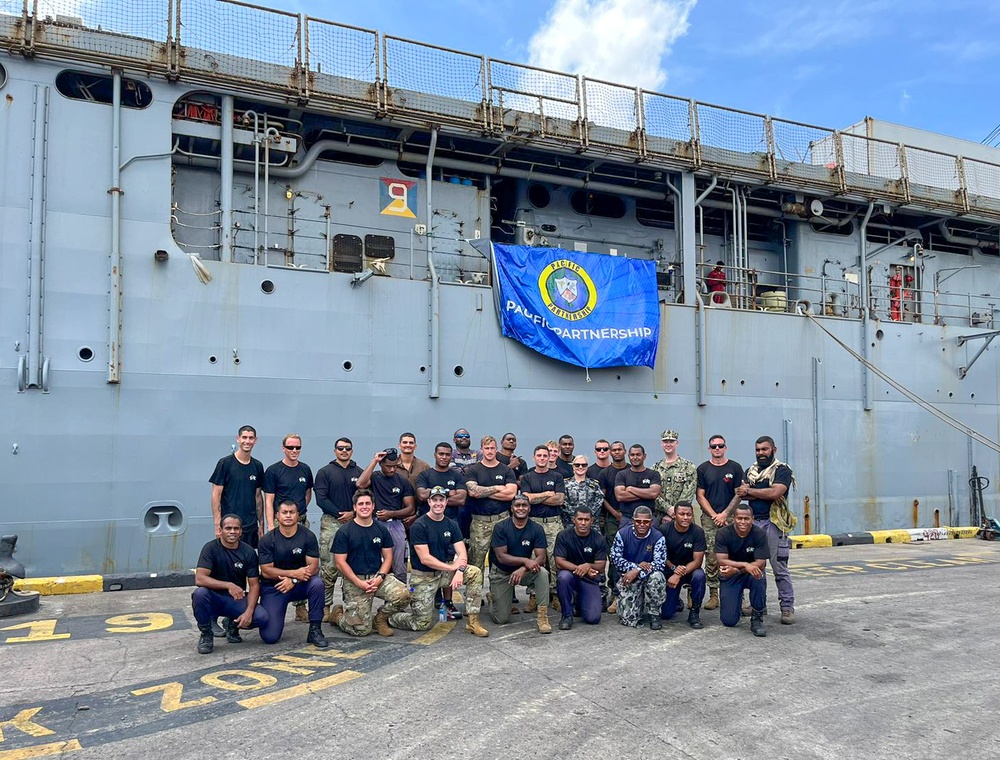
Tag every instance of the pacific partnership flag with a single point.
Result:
(587, 309)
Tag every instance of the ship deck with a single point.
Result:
(889, 658)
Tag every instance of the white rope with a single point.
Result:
(922, 403)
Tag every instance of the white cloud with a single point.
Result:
(617, 40)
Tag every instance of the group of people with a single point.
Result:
(583, 537)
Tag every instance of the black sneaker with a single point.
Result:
(207, 641)
(453, 613)
(565, 623)
(233, 632)
(438, 599)
(694, 620)
(655, 624)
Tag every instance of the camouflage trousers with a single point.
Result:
(551, 527)
(711, 561)
(328, 527)
(358, 612)
(480, 538)
(644, 597)
(420, 615)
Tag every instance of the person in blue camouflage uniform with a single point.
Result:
(640, 555)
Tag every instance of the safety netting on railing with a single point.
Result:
(344, 61)
(668, 124)
(240, 41)
(983, 182)
(433, 80)
(551, 98)
(127, 29)
(731, 138)
(12, 16)
(613, 112)
(872, 165)
(804, 152)
(933, 174)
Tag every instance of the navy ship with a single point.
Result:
(216, 214)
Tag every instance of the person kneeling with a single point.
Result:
(685, 553)
(362, 551)
(742, 551)
(228, 586)
(289, 565)
(518, 551)
(438, 560)
(640, 555)
(581, 555)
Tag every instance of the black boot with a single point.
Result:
(757, 623)
(316, 637)
(219, 627)
(233, 632)
(207, 641)
(565, 623)
(694, 620)
(655, 624)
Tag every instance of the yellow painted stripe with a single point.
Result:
(891, 536)
(298, 691)
(435, 634)
(962, 532)
(70, 584)
(811, 542)
(41, 750)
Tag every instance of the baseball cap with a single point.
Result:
(439, 491)
(669, 435)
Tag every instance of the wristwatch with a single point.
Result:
(295, 581)
(462, 569)
(381, 575)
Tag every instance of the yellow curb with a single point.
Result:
(811, 542)
(891, 536)
(962, 532)
(74, 584)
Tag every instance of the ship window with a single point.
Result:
(99, 88)
(3, 76)
(597, 204)
(538, 196)
(654, 213)
(347, 254)
(833, 229)
(380, 247)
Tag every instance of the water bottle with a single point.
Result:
(443, 614)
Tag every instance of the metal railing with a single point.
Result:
(306, 59)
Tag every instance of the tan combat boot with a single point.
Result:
(381, 623)
(554, 603)
(543, 620)
(713, 599)
(473, 626)
(531, 606)
(613, 607)
(301, 614)
(336, 613)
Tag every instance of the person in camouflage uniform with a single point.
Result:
(640, 554)
(438, 558)
(362, 550)
(678, 478)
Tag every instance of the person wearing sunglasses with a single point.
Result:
(464, 454)
(336, 483)
(640, 554)
(602, 459)
(718, 479)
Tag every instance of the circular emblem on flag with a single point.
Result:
(567, 290)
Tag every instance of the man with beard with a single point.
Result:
(640, 554)
(580, 556)
(335, 487)
(517, 556)
(685, 553)
(766, 488)
(410, 465)
(742, 550)
(508, 443)
(394, 502)
(718, 479)
(564, 461)
(463, 455)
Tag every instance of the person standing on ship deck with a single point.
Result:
(678, 479)
(613, 508)
(463, 456)
(506, 455)
(564, 462)
(491, 486)
(718, 479)
(637, 486)
(236, 484)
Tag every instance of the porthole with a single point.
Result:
(348, 365)
(99, 88)
(538, 196)
(85, 353)
(459, 370)
(267, 286)
(213, 359)
(3, 76)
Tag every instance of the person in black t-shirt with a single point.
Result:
(637, 486)
(288, 479)
(335, 487)
(491, 487)
(289, 567)
(517, 556)
(439, 560)
(236, 484)
(508, 442)
(363, 551)
(602, 460)
(394, 502)
(718, 479)
(742, 552)
(228, 585)
(581, 556)
(685, 554)
(546, 492)
(613, 507)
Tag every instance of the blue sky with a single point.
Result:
(930, 64)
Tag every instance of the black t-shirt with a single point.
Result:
(498, 475)
(362, 545)
(335, 487)
(520, 542)
(521, 468)
(749, 549)
(239, 487)
(682, 546)
(287, 553)
(564, 468)
(229, 565)
(642, 479)
(607, 480)
(440, 537)
(762, 507)
(451, 479)
(390, 490)
(578, 550)
(719, 482)
(288, 483)
(594, 471)
(537, 482)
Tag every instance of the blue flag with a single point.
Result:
(587, 309)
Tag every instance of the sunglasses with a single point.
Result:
(463, 436)
(717, 446)
(601, 448)
(293, 448)
(643, 522)
(579, 464)
(345, 448)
